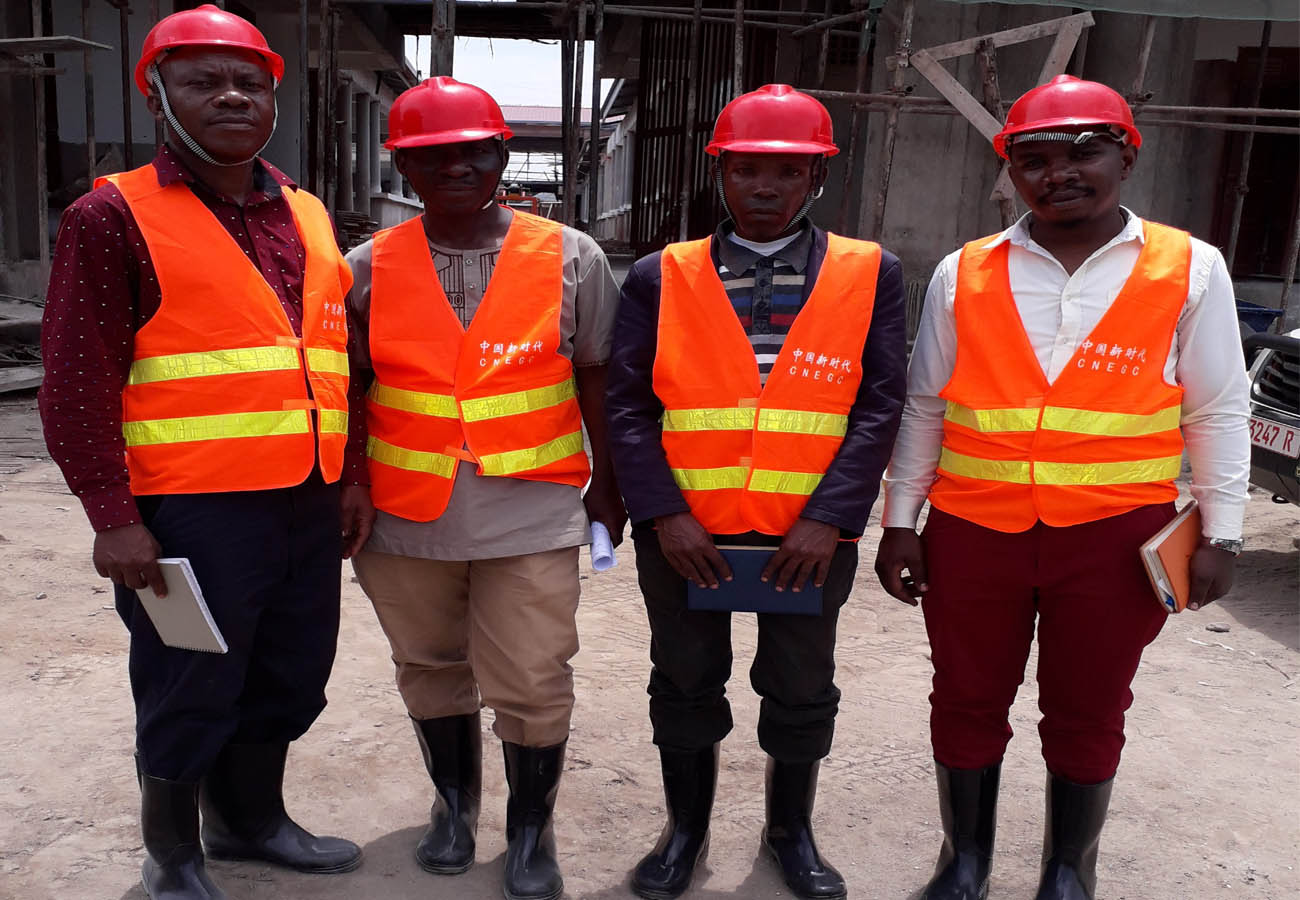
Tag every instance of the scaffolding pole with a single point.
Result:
(1140, 94)
(891, 128)
(824, 48)
(738, 61)
(566, 125)
(89, 90)
(866, 46)
(688, 151)
(442, 37)
(573, 136)
(124, 40)
(1247, 147)
(304, 122)
(42, 175)
(988, 63)
(597, 64)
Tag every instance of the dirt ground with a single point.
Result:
(1206, 805)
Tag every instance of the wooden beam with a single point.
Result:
(1010, 36)
(954, 93)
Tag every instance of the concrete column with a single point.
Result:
(343, 139)
(376, 130)
(365, 151)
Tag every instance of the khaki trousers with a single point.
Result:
(488, 632)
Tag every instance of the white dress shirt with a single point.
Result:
(1058, 312)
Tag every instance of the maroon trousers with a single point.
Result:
(1087, 588)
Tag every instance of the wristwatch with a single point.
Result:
(1228, 544)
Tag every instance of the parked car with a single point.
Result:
(1275, 413)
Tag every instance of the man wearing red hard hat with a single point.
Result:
(1061, 369)
(484, 336)
(756, 386)
(197, 400)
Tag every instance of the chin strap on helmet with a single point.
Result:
(185, 138)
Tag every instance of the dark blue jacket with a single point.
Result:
(847, 491)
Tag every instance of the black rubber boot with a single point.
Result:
(242, 800)
(791, 790)
(968, 804)
(453, 754)
(690, 779)
(1076, 814)
(173, 865)
(533, 774)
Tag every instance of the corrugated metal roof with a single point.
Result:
(541, 115)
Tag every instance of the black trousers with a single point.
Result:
(793, 670)
(269, 565)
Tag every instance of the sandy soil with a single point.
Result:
(1206, 804)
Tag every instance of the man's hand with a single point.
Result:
(805, 553)
(129, 556)
(604, 505)
(689, 549)
(357, 516)
(1211, 571)
(900, 549)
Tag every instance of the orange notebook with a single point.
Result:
(1168, 557)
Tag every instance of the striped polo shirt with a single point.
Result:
(766, 292)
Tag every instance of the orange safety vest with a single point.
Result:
(745, 458)
(502, 389)
(1102, 439)
(221, 391)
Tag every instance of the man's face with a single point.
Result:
(454, 179)
(224, 98)
(764, 191)
(1065, 183)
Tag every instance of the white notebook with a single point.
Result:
(182, 618)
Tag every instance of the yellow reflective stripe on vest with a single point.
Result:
(1138, 471)
(724, 478)
(513, 461)
(1011, 470)
(441, 405)
(482, 408)
(219, 427)
(786, 421)
(1085, 421)
(709, 419)
(1061, 418)
(412, 460)
(768, 481)
(213, 362)
(992, 419)
(799, 421)
(322, 360)
(333, 421)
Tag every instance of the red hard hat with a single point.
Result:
(206, 26)
(1066, 101)
(442, 110)
(773, 119)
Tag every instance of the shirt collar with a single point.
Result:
(268, 181)
(1019, 235)
(740, 260)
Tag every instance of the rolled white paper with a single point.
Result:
(602, 549)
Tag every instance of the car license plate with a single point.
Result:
(1272, 436)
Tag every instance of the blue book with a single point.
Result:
(747, 593)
